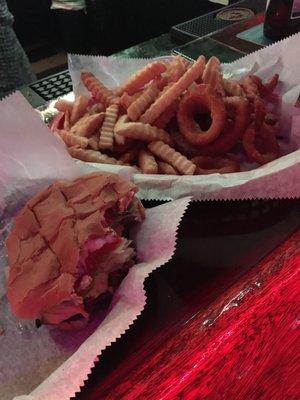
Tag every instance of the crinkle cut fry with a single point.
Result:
(92, 156)
(79, 109)
(94, 143)
(72, 140)
(166, 169)
(126, 100)
(87, 125)
(64, 105)
(67, 123)
(143, 132)
(143, 76)
(146, 98)
(169, 155)
(119, 139)
(164, 118)
(193, 73)
(212, 75)
(147, 162)
(106, 139)
(96, 88)
(175, 69)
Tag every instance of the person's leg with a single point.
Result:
(15, 69)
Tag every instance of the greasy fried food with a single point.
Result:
(212, 165)
(94, 143)
(92, 156)
(169, 155)
(64, 105)
(144, 100)
(96, 88)
(87, 125)
(78, 109)
(238, 107)
(180, 110)
(212, 75)
(143, 132)
(261, 146)
(73, 140)
(106, 139)
(166, 116)
(173, 92)
(200, 101)
(147, 162)
(166, 169)
(143, 76)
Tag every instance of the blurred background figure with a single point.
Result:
(73, 24)
(49, 29)
(15, 69)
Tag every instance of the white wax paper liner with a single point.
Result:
(278, 179)
(29, 355)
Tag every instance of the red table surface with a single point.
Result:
(221, 317)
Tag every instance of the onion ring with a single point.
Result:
(267, 151)
(202, 98)
(213, 165)
(233, 130)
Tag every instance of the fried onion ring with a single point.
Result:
(201, 99)
(266, 150)
(215, 165)
(233, 131)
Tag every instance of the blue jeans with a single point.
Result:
(15, 70)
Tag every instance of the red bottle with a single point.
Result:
(282, 18)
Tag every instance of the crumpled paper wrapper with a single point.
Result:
(278, 179)
(45, 362)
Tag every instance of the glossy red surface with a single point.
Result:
(221, 318)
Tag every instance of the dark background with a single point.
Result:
(109, 26)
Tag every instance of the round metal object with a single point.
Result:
(235, 14)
